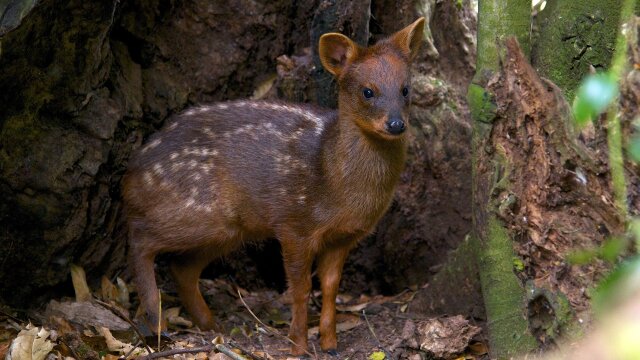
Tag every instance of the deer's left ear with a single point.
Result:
(409, 39)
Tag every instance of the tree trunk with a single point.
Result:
(540, 193)
(502, 291)
(574, 35)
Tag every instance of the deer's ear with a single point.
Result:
(336, 51)
(409, 39)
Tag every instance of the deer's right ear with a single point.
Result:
(336, 51)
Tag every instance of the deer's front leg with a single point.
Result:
(330, 263)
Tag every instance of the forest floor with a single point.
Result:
(254, 325)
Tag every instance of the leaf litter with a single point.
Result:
(101, 325)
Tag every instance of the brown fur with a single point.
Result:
(217, 176)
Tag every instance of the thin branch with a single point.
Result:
(386, 352)
(124, 317)
(206, 349)
(245, 351)
(269, 328)
(2, 312)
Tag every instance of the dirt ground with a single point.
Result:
(253, 324)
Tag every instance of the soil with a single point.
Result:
(256, 323)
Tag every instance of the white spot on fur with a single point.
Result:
(157, 168)
(173, 156)
(192, 164)
(206, 168)
(173, 126)
(205, 208)
(302, 199)
(151, 145)
(223, 106)
(148, 178)
(175, 167)
(308, 115)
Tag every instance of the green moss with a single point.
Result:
(497, 20)
(503, 295)
(574, 35)
(481, 104)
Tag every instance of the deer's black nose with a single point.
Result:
(395, 126)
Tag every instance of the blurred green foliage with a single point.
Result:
(594, 95)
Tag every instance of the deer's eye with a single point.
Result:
(368, 93)
(405, 91)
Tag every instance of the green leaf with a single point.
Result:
(518, 264)
(620, 283)
(612, 248)
(377, 355)
(594, 96)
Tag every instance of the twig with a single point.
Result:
(386, 353)
(245, 351)
(72, 350)
(170, 352)
(125, 356)
(206, 349)
(269, 328)
(124, 317)
(159, 325)
(225, 350)
(2, 312)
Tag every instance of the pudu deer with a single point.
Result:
(221, 175)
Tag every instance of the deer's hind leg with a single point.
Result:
(141, 261)
(186, 268)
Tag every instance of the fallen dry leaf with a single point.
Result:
(79, 279)
(220, 356)
(123, 293)
(118, 346)
(478, 348)
(264, 355)
(352, 308)
(4, 348)
(344, 322)
(173, 317)
(263, 88)
(31, 343)
(108, 291)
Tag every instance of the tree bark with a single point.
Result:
(502, 291)
(574, 35)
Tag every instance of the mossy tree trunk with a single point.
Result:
(539, 192)
(574, 35)
(502, 292)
